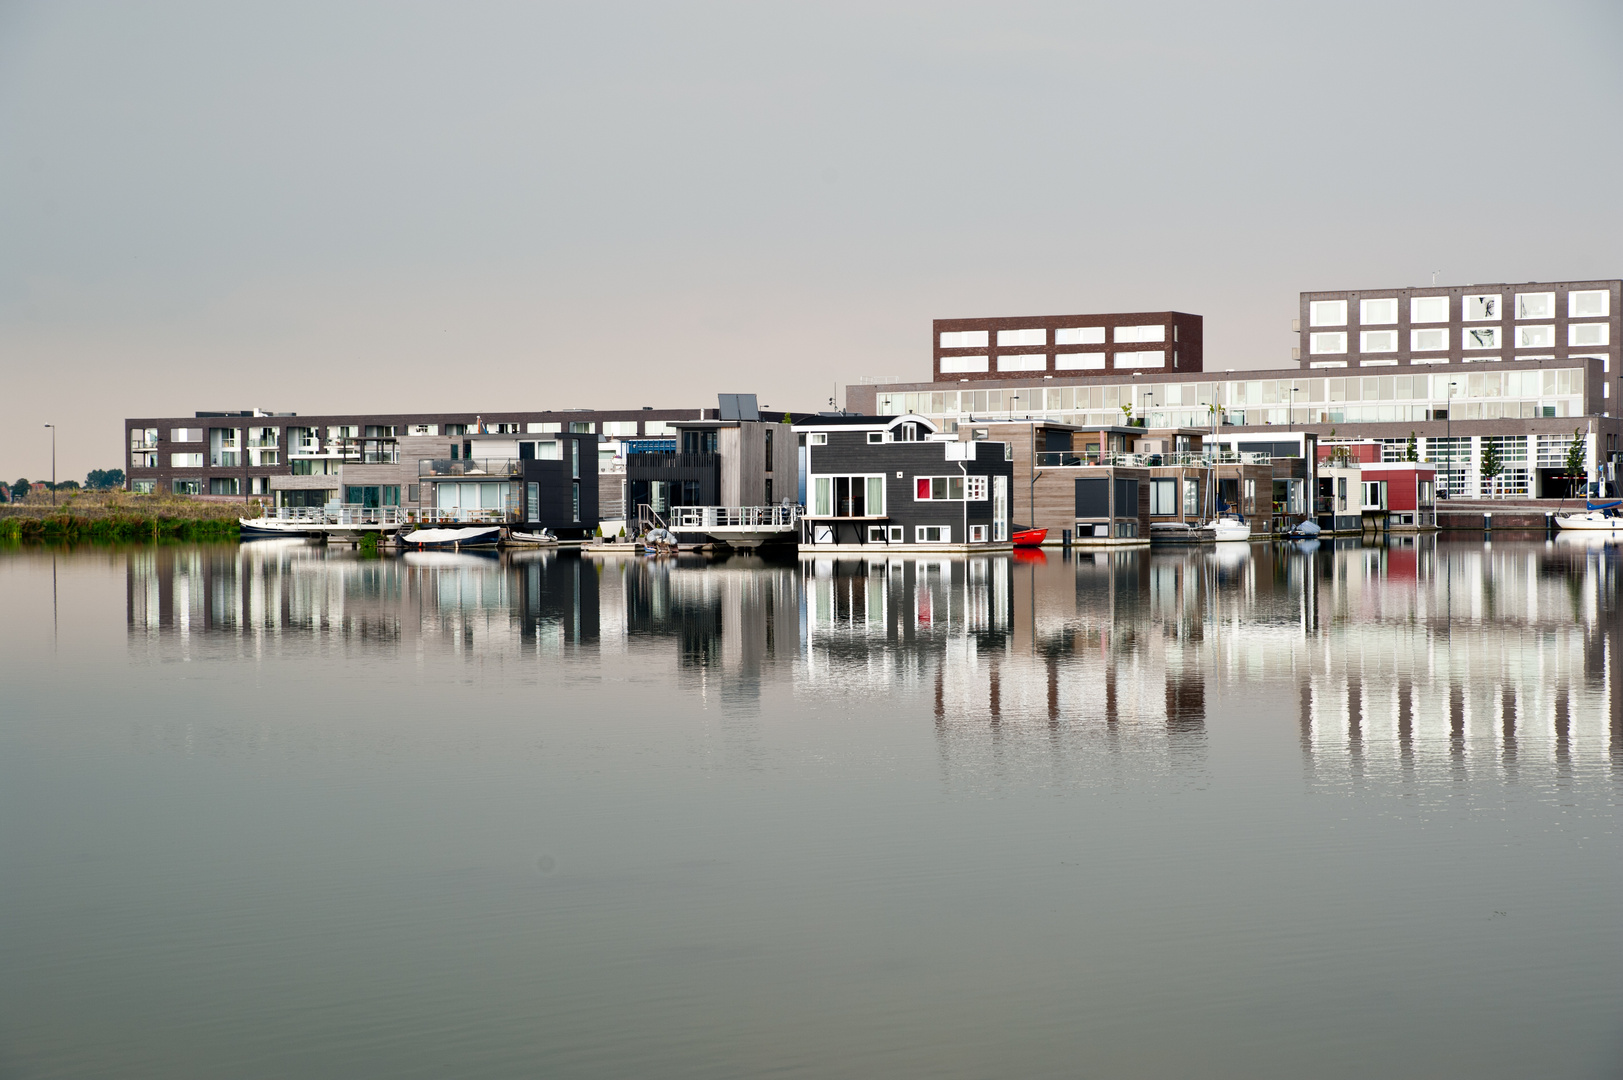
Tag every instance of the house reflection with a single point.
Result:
(1416, 658)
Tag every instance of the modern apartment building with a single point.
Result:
(310, 460)
(1535, 321)
(1527, 404)
(971, 350)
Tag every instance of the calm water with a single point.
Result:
(272, 811)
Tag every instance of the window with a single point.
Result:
(1080, 335)
(975, 488)
(1535, 337)
(144, 487)
(952, 364)
(1587, 333)
(768, 435)
(848, 496)
(580, 427)
(937, 488)
(1037, 336)
(1588, 304)
(876, 436)
(186, 434)
(1163, 497)
(819, 438)
(1378, 312)
(965, 339)
(146, 459)
(1373, 340)
(1428, 309)
(977, 534)
(1079, 361)
(1374, 495)
(143, 438)
(1023, 362)
(1428, 340)
(1327, 343)
(933, 534)
(1478, 337)
(1141, 359)
(185, 461)
(1140, 333)
(188, 487)
(877, 534)
(1535, 305)
(1481, 308)
(223, 485)
(1191, 498)
(532, 428)
(1327, 313)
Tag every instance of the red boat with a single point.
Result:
(1030, 538)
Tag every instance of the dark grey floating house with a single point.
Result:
(895, 483)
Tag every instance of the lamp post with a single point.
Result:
(53, 463)
(1448, 421)
(1292, 416)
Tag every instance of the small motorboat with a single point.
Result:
(544, 538)
(1306, 529)
(476, 537)
(256, 528)
(1030, 538)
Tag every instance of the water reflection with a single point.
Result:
(1419, 658)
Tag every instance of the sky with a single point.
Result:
(373, 207)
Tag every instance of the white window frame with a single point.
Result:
(1436, 344)
(950, 479)
(1328, 343)
(820, 486)
(818, 438)
(1138, 333)
(1541, 336)
(965, 339)
(1365, 336)
(1080, 335)
(1150, 359)
(977, 534)
(1578, 297)
(919, 532)
(1417, 304)
(1079, 361)
(186, 461)
(1546, 299)
(1601, 336)
(1481, 337)
(1327, 313)
(1368, 317)
(1023, 362)
(957, 365)
(975, 489)
(1465, 308)
(1034, 335)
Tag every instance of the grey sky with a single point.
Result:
(329, 206)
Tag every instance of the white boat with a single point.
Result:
(269, 526)
(544, 538)
(1590, 521)
(1228, 528)
(420, 539)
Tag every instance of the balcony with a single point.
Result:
(644, 463)
(225, 459)
(470, 467)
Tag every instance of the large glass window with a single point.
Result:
(1482, 308)
(1378, 312)
(1376, 341)
(1584, 334)
(1588, 304)
(1327, 313)
(1535, 305)
(848, 496)
(1328, 342)
(1163, 497)
(1080, 335)
(1034, 336)
(965, 339)
(1428, 309)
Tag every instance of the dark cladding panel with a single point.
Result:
(1126, 498)
(1092, 497)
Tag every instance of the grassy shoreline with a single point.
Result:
(122, 517)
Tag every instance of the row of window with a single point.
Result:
(1238, 393)
(1479, 307)
(864, 495)
(307, 438)
(1079, 361)
(1071, 335)
(1579, 335)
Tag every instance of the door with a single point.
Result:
(1000, 509)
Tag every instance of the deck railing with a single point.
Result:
(1053, 459)
(469, 467)
(715, 517)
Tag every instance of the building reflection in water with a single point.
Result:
(1419, 658)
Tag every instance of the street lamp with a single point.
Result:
(1448, 419)
(1292, 417)
(53, 463)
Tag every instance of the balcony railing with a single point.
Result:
(1053, 459)
(469, 467)
(712, 517)
(647, 462)
(225, 459)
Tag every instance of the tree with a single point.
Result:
(104, 479)
(1127, 412)
(19, 490)
(1411, 452)
(1491, 466)
(65, 485)
(1576, 453)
